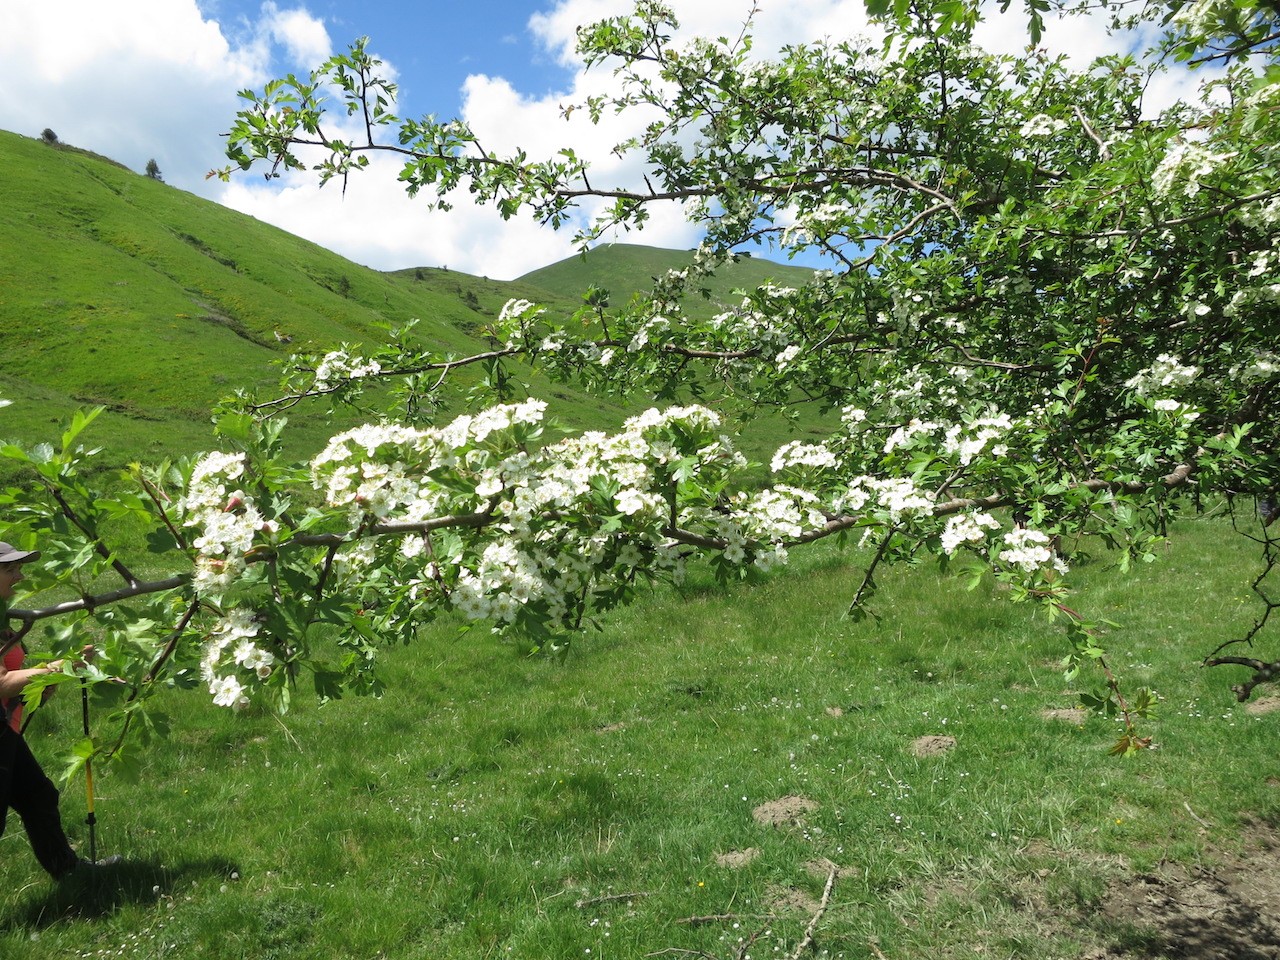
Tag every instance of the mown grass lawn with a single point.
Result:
(606, 807)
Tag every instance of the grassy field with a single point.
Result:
(624, 269)
(610, 806)
(122, 291)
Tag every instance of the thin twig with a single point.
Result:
(608, 898)
(1193, 815)
(822, 908)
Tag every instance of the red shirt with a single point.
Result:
(13, 661)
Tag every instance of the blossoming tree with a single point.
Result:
(1051, 314)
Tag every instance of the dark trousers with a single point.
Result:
(25, 788)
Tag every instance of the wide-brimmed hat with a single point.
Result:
(11, 554)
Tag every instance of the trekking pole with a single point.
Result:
(90, 819)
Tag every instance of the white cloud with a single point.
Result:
(133, 80)
(374, 223)
(302, 35)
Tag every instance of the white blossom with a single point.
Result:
(1184, 166)
(798, 453)
(964, 528)
(1042, 125)
(1030, 550)
(337, 365)
(1166, 374)
(228, 692)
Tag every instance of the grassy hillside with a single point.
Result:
(120, 290)
(624, 269)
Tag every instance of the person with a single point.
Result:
(24, 787)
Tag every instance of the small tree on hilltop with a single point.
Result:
(1049, 316)
(48, 136)
(153, 170)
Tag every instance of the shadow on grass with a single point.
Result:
(91, 894)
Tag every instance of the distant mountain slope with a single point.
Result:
(626, 268)
(120, 290)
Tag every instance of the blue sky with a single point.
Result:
(434, 46)
(137, 80)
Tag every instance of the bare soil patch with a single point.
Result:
(780, 899)
(821, 869)
(737, 859)
(1227, 911)
(931, 746)
(1263, 705)
(1075, 715)
(783, 812)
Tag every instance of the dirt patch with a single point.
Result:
(1229, 910)
(779, 899)
(1263, 705)
(1074, 715)
(932, 746)
(821, 869)
(611, 727)
(784, 812)
(835, 712)
(737, 859)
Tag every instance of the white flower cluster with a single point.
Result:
(1030, 551)
(755, 525)
(914, 392)
(1264, 366)
(227, 520)
(852, 416)
(504, 579)
(800, 454)
(748, 327)
(1261, 215)
(641, 338)
(1042, 125)
(234, 632)
(1165, 375)
(962, 528)
(1183, 166)
(1176, 407)
(516, 320)
(898, 497)
(966, 441)
(902, 436)
(778, 513)
(337, 365)
(382, 469)
(534, 562)
(534, 551)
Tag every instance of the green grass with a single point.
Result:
(625, 269)
(121, 291)
(495, 805)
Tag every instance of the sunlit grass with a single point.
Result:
(493, 804)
